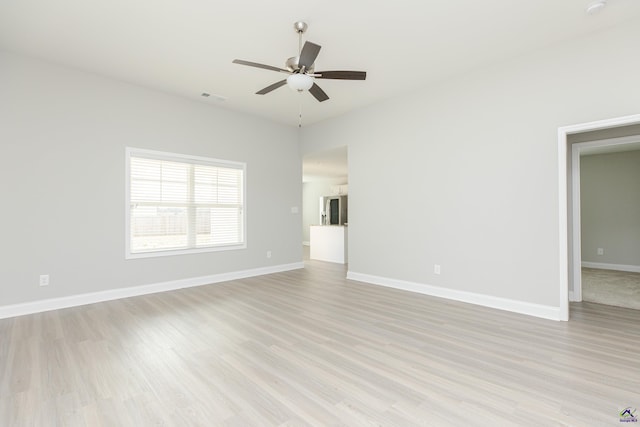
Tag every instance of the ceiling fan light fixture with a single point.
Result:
(300, 82)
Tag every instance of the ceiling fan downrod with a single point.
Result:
(300, 28)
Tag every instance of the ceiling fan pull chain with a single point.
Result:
(300, 111)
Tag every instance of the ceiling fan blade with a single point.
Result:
(272, 87)
(308, 55)
(255, 64)
(341, 75)
(318, 93)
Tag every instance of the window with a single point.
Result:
(181, 204)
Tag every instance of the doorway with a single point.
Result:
(606, 217)
(324, 173)
(569, 207)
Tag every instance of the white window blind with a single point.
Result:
(182, 204)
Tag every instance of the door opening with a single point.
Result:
(602, 146)
(569, 210)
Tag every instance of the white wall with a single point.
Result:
(610, 208)
(63, 135)
(467, 169)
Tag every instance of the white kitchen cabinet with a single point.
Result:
(328, 243)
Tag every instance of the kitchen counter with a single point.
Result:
(328, 243)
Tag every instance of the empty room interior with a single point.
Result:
(323, 214)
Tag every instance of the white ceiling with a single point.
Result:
(185, 47)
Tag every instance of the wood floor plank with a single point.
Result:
(310, 348)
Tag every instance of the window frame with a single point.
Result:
(187, 159)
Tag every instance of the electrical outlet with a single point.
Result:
(600, 251)
(295, 210)
(44, 280)
(268, 254)
(436, 268)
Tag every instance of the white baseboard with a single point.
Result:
(113, 294)
(537, 310)
(306, 243)
(617, 267)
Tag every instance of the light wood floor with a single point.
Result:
(308, 347)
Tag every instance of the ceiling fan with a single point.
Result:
(301, 69)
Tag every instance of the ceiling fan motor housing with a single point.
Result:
(292, 65)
